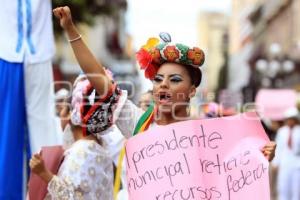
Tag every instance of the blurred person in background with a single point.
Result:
(145, 100)
(60, 99)
(27, 93)
(271, 127)
(211, 110)
(62, 106)
(287, 159)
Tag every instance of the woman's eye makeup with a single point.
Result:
(157, 79)
(176, 78)
(173, 78)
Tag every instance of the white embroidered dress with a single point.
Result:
(86, 173)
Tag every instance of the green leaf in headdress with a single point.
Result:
(183, 50)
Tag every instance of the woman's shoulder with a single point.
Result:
(87, 146)
(87, 153)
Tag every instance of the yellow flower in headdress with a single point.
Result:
(151, 43)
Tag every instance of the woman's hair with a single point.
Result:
(195, 74)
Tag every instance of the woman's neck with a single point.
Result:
(77, 132)
(165, 118)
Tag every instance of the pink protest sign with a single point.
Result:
(272, 103)
(214, 159)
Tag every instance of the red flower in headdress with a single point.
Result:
(171, 53)
(196, 55)
(151, 71)
(145, 59)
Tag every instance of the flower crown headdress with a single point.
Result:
(154, 53)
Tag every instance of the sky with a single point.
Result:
(147, 18)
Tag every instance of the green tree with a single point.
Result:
(85, 11)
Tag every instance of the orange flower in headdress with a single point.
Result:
(171, 53)
(155, 55)
(196, 55)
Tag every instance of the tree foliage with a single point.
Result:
(85, 11)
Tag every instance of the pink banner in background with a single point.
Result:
(272, 103)
(199, 159)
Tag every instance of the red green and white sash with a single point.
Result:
(143, 124)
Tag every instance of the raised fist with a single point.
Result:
(64, 15)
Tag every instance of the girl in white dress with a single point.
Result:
(86, 171)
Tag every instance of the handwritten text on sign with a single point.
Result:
(200, 159)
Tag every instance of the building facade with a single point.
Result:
(264, 45)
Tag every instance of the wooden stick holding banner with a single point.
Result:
(199, 159)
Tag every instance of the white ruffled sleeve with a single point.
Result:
(128, 115)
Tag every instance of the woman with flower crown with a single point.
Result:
(173, 69)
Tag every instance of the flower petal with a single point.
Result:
(144, 58)
(150, 71)
(151, 43)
